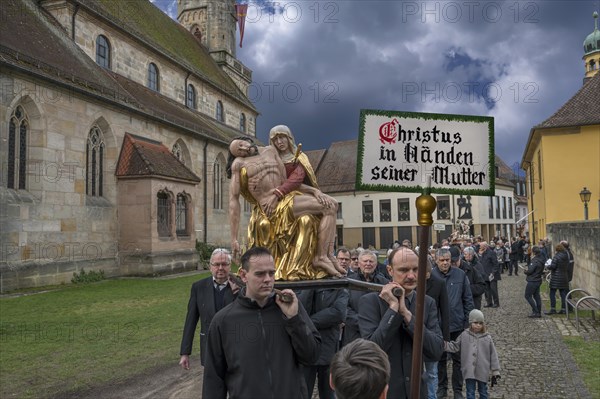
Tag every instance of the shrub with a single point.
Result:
(204, 251)
(89, 277)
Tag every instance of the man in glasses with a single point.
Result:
(207, 297)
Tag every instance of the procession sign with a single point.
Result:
(397, 150)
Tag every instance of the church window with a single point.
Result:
(367, 211)
(190, 98)
(153, 77)
(243, 123)
(220, 115)
(94, 176)
(18, 128)
(103, 52)
(181, 215)
(217, 185)
(163, 214)
(385, 211)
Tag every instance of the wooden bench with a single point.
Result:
(583, 301)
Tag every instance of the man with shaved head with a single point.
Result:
(389, 321)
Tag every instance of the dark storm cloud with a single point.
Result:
(316, 64)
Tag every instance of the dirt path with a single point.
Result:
(170, 382)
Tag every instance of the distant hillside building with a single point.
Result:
(380, 218)
(115, 122)
(562, 154)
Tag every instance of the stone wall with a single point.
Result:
(584, 240)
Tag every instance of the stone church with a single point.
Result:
(114, 126)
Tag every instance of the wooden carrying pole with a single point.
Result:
(425, 206)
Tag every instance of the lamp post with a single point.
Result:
(585, 196)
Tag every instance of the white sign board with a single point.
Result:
(439, 226)
(397, 150)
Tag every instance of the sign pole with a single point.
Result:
(425, 206)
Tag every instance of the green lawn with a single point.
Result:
(587, 357)
(81, 336)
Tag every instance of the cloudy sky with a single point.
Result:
(317, 63)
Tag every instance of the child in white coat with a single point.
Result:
(478, 356)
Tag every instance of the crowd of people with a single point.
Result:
(257, 341)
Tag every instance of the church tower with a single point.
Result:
(591, 48)
(214, 22)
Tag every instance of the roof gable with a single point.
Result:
(142, 157)
(581, 109)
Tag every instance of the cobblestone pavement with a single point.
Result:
(535, 362)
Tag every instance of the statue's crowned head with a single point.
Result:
(282, 130)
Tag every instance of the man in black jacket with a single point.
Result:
(489, 261)
(472, 268)
(207, 297)
(367, 271)
(257, 344)
(389, 321)
(515, 248)
(327, 310)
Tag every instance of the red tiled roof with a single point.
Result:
(142, 157)
(337, 170)
(581, 109)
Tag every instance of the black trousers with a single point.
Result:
(514, 264)
(457, 379)
(491, 293)
(322, 374)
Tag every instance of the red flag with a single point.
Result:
(241, 10)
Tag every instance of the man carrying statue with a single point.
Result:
(290, 215)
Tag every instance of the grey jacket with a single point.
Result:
(478, 356)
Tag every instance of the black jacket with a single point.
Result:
(351, 331)
(327, 309)
(475, 278)
(201, 306)
(387, 328)
(256, 352)
(559, 270)
(535, 271)
(436, 289)
(490, 264)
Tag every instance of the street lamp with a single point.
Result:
(585, 196)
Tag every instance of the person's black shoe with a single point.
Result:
(441, 393)
(562, 312)
(551, 311)
(488, 306)
(516, 274)
(496, 306)
(510, 274)
(535, 316)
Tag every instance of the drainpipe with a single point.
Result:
(73, 21)
(205, 176)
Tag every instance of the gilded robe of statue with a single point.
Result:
(292, 241)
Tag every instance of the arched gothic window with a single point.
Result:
(190, 98)
(220, 114)
(163, 214)
(103, 52)
(181, 215)
(94, 161)
(217, 185)
(153, 77)
(243, 123)
(17, 149)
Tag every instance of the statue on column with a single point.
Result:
(290, 215)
